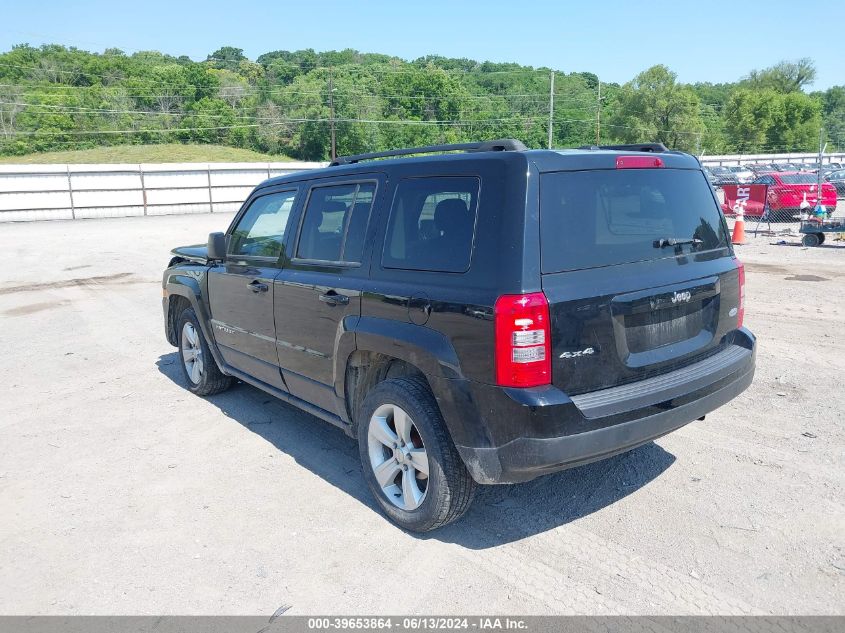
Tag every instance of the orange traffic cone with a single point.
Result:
(739, 228)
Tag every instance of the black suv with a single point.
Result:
(485, 315)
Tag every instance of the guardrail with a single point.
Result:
(67, 192)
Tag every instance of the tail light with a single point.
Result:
(523, 340)
(740, 268)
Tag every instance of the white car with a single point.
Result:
(743, 173)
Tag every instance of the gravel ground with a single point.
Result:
(122, 493)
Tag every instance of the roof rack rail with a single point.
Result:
(500, 145)
(635, 147)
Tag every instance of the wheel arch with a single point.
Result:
(387, 349)
(184, 291)
(366, 369)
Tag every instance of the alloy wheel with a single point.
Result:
(398, 457)
(192, 352)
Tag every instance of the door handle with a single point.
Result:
(257, 286)
(333, 299)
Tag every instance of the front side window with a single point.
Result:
(335, 223)
(261, 230)
(432, 224)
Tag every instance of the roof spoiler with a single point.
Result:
(500, 145)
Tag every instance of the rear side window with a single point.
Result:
(432, 224)
(335, 223)
(599, 218)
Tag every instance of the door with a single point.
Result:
(240, 290)
(318, 292)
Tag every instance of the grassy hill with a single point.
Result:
(166, 153)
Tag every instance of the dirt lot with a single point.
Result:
(121, 493)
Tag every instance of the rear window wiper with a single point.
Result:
(675, 241)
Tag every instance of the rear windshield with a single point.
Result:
(599, 218)
(798, 179)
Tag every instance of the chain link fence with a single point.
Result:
(786, 195)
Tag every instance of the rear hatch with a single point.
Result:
(638, 272)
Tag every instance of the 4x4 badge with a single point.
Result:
(583, 352)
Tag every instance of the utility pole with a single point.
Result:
(598, 116)
(331, 114)
(819, 177)
(551, 105)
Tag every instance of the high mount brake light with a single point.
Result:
(638, 162)
(523, 340)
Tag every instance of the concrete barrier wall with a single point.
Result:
(729, 160)
(65, 192)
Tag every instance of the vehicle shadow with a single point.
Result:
(499, 514)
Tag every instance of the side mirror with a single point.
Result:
(217, 246)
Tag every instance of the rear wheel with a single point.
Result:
(410, 462)
(810, 239)
(201, 372)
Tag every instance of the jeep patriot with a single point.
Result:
(475, 313)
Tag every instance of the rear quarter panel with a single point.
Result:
(460, 305)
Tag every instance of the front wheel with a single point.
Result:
(410, 462)
(198, 365)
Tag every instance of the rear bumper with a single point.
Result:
(594, 426)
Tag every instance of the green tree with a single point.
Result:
(655, 107)
(226, 58)
(419, 101)
(166, 88)
(796, 125)
(56, 97)
(783, 77)
(770, 121)
(833, 113)
(211, 121)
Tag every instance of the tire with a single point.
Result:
(810, 239)
(400, 444)
(201, 372)
(821, 238)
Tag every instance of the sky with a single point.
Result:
(713, 40)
